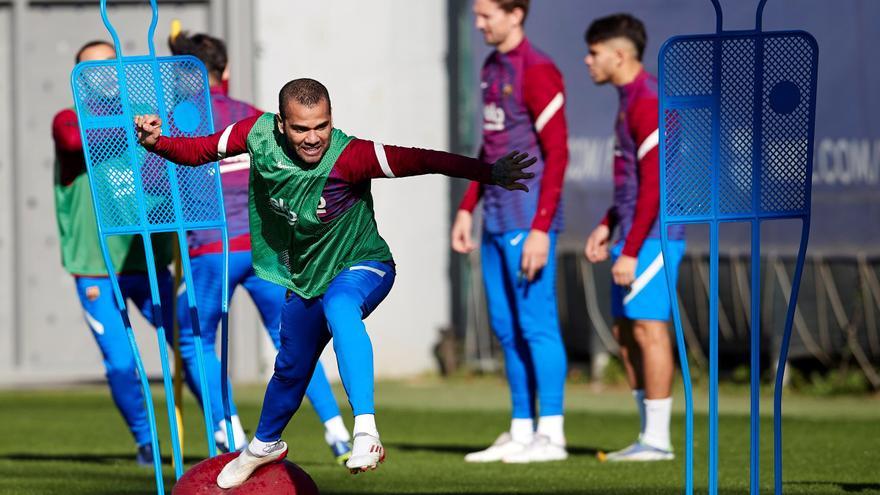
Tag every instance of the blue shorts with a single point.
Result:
(648, 297)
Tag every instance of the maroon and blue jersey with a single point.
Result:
(523, 110)
(234, 175)
(636, 167)
(349, 179)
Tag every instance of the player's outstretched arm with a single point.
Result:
(192, 151)
(364, 160)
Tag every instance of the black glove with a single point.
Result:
(507, 172)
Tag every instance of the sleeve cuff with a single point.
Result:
(542, 223)
(631, 249)
(159, 147)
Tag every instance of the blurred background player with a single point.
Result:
(205, 250)
(523, 109)
(639, 293)
(313, 230)
(81, 256)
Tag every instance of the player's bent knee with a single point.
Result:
(545, 332)
(120, 369)
(341, 310)
(291, 372)
(187, 349)
(650, 332)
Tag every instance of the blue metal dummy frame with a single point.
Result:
(714, 124)
(117, 166)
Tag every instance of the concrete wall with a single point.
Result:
(384, 64)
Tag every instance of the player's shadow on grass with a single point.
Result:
(847, 486)
(87, 458)
(465, 449)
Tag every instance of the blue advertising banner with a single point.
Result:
(846, 179)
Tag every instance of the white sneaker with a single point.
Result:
(540, 450)
(503, 446)
(638, 452)
(366, 453)
(241, 468)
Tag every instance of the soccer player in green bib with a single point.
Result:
(314, 232)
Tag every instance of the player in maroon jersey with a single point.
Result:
(524, 109)
(639, 294)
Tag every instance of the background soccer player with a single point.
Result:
(640, 295)
(207, 260)
(523, 109)
(81, 256)
(313, 230)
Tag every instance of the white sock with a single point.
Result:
(237, 431)
(260, 448)
(551, 427)
(522, 430)
(657, 413)
(639, 396)
(335, 431)
(366, 423)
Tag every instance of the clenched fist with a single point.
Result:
(149, 128)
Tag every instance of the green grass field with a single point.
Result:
(73, 441)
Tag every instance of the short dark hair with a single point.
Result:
(91, 44)
(509, 6)
(308, 92)
(618, 26)
(210, 50)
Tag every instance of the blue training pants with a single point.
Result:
(108, 329)
(207, 274)
(306, 327)
(525, 319)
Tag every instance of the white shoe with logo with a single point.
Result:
(241, 468)
(503, 446)
(367, 452)
(540, 450)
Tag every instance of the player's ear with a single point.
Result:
(627, 50)
(519, 15)
(279, 123)
(620, 55)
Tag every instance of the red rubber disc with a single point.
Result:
(278, 478)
